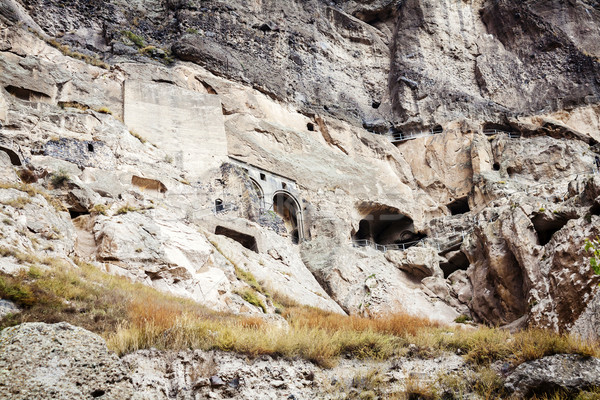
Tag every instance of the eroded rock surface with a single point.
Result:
(568, 372)
(59, 361)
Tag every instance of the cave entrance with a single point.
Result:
(14, 157)
(245, 240)
(459, 206)
(27, 94)
(546, 225)
(456, 260)
(386, 226)
(288, 208)
(77, 212)
(490, 128)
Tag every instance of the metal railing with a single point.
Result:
(384, 247)
(492, 132)
(397, 137)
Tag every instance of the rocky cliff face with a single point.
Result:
(186, 141)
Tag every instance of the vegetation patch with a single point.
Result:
(18, 203)
(99, 209)
(66, 50)
(251, 296)
(33, 191)
(126, 209)
(133, 38)
(59, 178)
(131, 316)
(137, 136)
(104, 110)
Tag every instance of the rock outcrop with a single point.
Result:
(60, 361)
(565, 372)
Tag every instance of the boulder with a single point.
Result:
(416, 261)
(39, 360)
(568, 372)
(8, 307)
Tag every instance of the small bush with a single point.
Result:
(99, 209)
(27, 175)
(135, 39)
(73, 104)
(249, 278)
(34, 191)
(125, 209)
(95, 61)
(137, 136)
(59, 179)
(18, 203)
(104, 110)
(461, 319)
(251, 296)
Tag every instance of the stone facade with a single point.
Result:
(188, 125)
(84, 153)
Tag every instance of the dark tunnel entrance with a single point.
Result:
(459, 206)
(287, 207)
(385, 226)
(247, 241)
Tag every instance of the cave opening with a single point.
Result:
(459, 206)
(490, 127)
(547, 225)
(383, 225)
(310, 126)
(457, 260)
(26, 94)
(288, 208)
(437, 129)
(248, 241)
(496, 166)
(14, 157)
(77, 212)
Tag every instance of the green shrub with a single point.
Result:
(593, 246)
(251, 296)
(461, 319)
(125, 209)
(135, 39)
(104, 110)
(137, 136)
(99, 209)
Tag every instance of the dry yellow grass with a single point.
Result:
(132, 316)
(400, 324)
(32, 191)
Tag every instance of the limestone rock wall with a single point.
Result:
(494, 202)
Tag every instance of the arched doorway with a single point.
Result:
(259, 193)
(288, 208)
